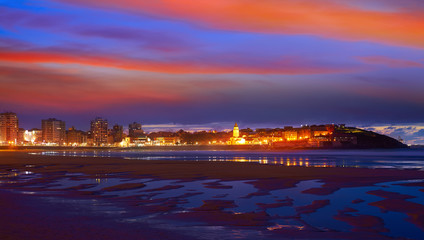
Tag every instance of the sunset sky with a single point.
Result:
(277, 62)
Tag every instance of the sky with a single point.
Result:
(199, 62)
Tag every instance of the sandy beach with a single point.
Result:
(31, 216)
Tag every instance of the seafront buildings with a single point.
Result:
(76, 137)
(9, 127)
(135, 130)
(116, 135)
(99, 131)
(54, 133)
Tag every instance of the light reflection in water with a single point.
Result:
(289, 161)
(278, 226)
(101, 179)
(286, 218)
(400, 159)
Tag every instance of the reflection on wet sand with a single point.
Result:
(356, 159)
(173, 203)
(288, 161)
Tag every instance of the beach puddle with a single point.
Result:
(14, 176)
(263, 206)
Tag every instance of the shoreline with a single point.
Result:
(253, 148)
(177, 169)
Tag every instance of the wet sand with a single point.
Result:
(268, 177)
(28, 216)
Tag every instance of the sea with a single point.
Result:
(364, 158)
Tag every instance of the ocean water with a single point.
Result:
(398, 158)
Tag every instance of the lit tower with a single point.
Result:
(236, 132)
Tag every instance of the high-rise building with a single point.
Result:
(117, 133)
(21, 136)
(9, 127)
(99, 131)
(135, 130)
(53, 131)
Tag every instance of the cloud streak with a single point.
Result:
(286, 65)
(325, 18)
(391, 62)
(274, 61)
(41, 87)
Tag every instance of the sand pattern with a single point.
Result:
(186, 200)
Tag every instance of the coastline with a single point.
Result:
(30, 215)
(192, 148)
(169, 169)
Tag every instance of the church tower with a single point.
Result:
(236, 132)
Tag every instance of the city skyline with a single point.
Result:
(409, 134)
(197, 64)
(53, 133)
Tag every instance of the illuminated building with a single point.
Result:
(125, 142)
(76, 137)
(320, 130)
(117, 133)
(344, 140)
(166, 141)
(21, 136)
(136, 134)
(33, 136)
(236, 132)
(9, 127)
(53, 131)
(140, 141)
(236, 139)
(304, 133)
(290, 135)
(135, 130)
(110, 140)
(99, 131)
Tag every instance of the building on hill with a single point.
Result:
(236, 139)
(236, 131)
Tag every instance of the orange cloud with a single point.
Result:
(79, 92)
(327, 18)
(180, 67)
